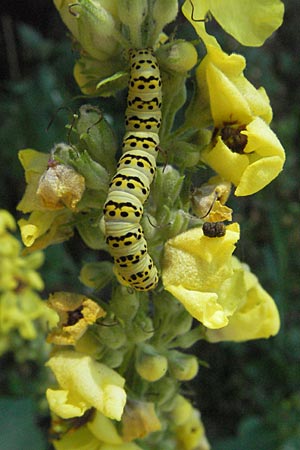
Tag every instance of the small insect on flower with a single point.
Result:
(214, 229)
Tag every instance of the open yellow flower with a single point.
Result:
(243, 149)
(83, 384)
(76, 312)
(250, 22)
(195, 267)
(256, 317)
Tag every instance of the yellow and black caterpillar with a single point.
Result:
(130, 187)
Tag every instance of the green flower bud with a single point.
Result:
(167, 186)
(97, 136)
(164, 12)
(88, 344)
(92, 25)
(149, 364)
(163, 393)
(96, 275)
(141, 329)
(184, 154)
(180, 56)
(133, 13)
(181, 366)
(111, 334)
(113, 359)
(125, 304)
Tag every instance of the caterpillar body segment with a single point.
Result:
(130, 186)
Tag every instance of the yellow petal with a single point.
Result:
(258, 175)
(104, 429)
(59, 404)
(257, 317)
(195, 14)
(203, 306)
(250, 22)
(226, 101)
(77, 439)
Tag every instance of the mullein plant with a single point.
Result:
(120, 356)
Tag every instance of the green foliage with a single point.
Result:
(18, 427)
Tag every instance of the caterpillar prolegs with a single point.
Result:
(130, 187)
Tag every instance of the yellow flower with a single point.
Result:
(139, 420)
(76, 312)
(243, 150)
(44, 226)
(194, 268)
(257, 315)
(83, 384)
(250, 22)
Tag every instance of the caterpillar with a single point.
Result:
(130, 186)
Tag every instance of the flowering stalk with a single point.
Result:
(119, 360)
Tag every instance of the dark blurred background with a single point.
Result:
(250, 394)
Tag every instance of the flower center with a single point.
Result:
(231, 135)
(74, 316)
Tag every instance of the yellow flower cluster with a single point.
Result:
(21, 308)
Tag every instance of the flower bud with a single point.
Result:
(92, 25)
(183, 367)
(96, 275)
(112, 335)
(180, 56)
(97, 136)
(141, 329)
(113, 359)
(133, 13)
(181, 411)
(163, 393)
(164, 12)
(125, 303)
(150, 365)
